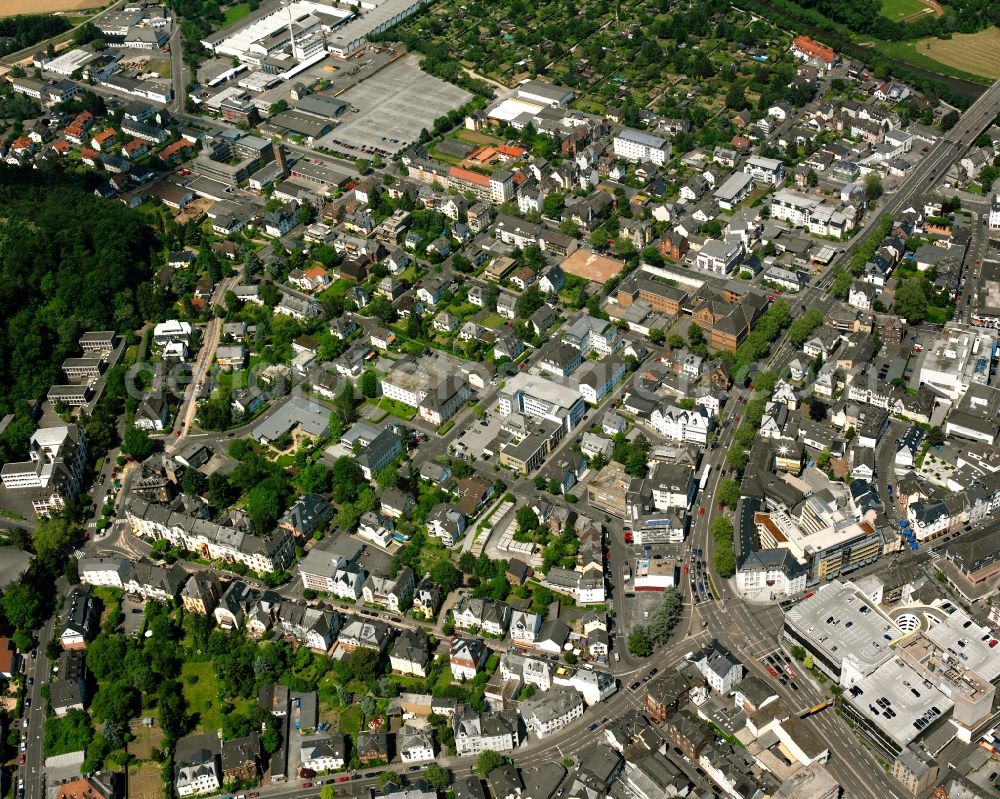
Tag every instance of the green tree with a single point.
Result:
(327, 792)
(873, 186)
(696, 336)
(22, 607)
(526, 519)
(445, 576)
(364, 664)
(487, 761)
(368, 383)
(53, 539)
(385, 777)
(639, 644)
(728, 493)
(438, 777)
(911, 300)
(798, 652)
(137, 443)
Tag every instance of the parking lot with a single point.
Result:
(135, 616)
(479, 435)
(394, 105)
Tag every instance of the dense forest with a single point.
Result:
(25, 30)
(69, 262)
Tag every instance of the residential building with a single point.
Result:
(549, 712)
(637, 145)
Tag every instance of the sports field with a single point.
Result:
(910, 10)
(8, 8)
(900, 9)
(978, 53)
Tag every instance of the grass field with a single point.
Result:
(161, 66)
(917, 54)
(201, 695)
(235, 13)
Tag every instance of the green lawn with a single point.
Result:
(397, 409)
(338, 288)
(198, 681)
(351, 719)
(446, 427)
(897, 10)
(236, 13)
(492, 321)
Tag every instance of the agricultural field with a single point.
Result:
(10, 8)
(145, 782)
(975, 53)
(918, 53)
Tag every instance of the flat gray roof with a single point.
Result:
(898, 701)
(840, 621)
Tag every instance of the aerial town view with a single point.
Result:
(451, 399)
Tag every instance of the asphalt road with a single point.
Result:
(38, 668)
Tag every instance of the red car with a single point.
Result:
(772, 671)
(701, 511)
(344, 778)
(20, 759)
(685, 569)
(307, 785)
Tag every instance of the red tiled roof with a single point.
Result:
(6, 656)
(814, 49)
(511, 151)
(468, 176)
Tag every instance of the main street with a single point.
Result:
(37, 669)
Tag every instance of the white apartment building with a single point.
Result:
(58, 456)
(720, 257)
(543, 399)
(764, 170)
(812, 213)
(549, 712)
(262, 554)
(637, 145)
(198, 778)
(720, 670)
(995, 211)
(322, 753)
(477, 732)
(682, 425)
(415, 744)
